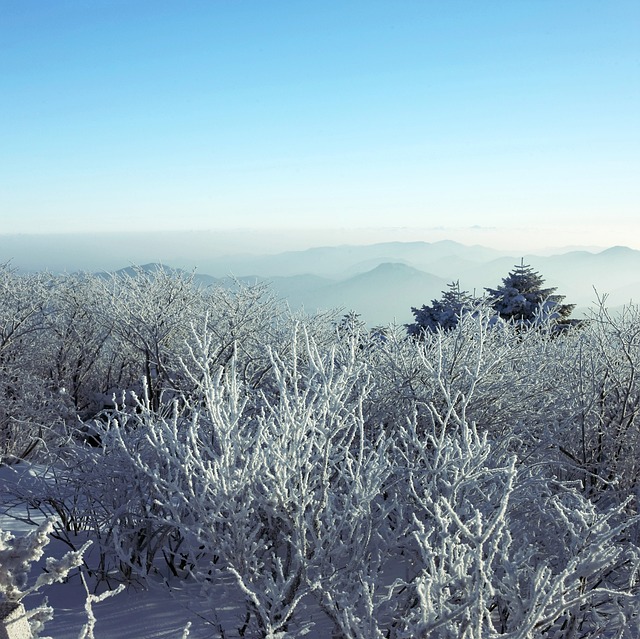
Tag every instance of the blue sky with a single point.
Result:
(511, 115)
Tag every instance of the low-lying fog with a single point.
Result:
(381, 280)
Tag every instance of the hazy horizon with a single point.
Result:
(59, 252)
(381, 281)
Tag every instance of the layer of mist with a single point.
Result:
(380, 281)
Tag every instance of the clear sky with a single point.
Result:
(515, 115)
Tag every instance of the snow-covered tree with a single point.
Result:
(77, 349)
(29, 405)
(483, 560)
(523, 298)
(443, 313)
(17, 558)
(149, 312)
(481, 481)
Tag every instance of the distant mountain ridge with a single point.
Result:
(580, 275)
(384, 281)
(381, 281)
(334, 261)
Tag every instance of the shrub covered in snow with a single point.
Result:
(480, 482)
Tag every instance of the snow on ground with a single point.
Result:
(132, 614)
(157, 612)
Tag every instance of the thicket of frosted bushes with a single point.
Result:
(482, 482)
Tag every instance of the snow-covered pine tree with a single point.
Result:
(523, 298)
(443, 313)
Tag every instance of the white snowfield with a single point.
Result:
(138, 612)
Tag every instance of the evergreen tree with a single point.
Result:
(523, 298)
(443, 313)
